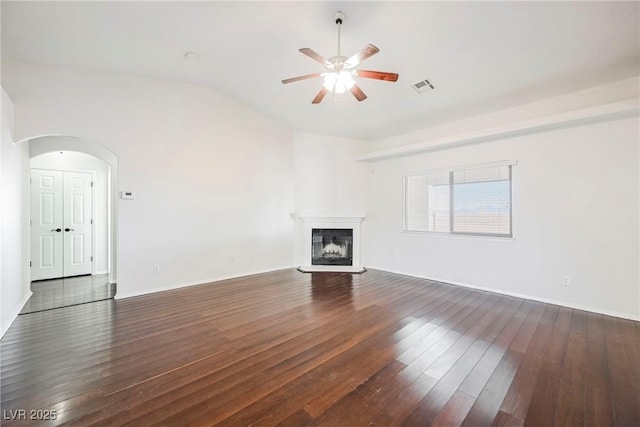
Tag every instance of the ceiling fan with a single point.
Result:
(341, 70)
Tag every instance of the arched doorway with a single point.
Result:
(70, 156)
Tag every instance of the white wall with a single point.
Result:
(14, 256)
(575, 213)
(213, 178)
(215, 189)
(328, 180)
(69, 160)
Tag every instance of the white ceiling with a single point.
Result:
(482, 56)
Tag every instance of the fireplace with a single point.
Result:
(331, 246)
(330, 243)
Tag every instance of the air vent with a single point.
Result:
(423, 86)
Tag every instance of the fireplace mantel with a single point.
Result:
(331, 218)
(339, 221)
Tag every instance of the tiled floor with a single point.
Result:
(56, 293)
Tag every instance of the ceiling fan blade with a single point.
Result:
(358, 93)
(378, 75)
(320, 95)
(297, 79)
(316, 57)
(366, 52)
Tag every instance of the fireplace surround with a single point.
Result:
(331, 243)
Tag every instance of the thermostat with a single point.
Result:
(127, 195)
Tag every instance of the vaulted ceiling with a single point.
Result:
(481, 56)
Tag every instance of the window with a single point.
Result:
(472, 200)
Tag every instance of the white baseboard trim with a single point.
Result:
(15, 313)
(621, 315)
(198, 282)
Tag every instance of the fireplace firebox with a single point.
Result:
(332, 246)
(330, 243)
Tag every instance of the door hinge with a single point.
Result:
(91, 259)
(29, 263)
(91, 221)
(92, 183)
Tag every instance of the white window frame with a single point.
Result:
(450, 171)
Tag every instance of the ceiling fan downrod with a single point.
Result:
(339, 17)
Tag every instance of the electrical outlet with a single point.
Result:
(565, 281)
(156, 269)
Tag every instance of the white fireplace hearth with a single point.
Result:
(331, 243)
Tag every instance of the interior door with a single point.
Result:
(77, 223)
(61, 230)
(46, 224)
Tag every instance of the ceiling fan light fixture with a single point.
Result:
(341, 70)
(339, 81)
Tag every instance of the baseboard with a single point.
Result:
(15, 313)
(198, 282)
(627, 316)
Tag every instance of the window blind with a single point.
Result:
(427, 202)
(473, 200)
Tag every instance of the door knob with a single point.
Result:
(69, 229)
(57, 230)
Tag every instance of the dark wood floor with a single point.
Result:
(323, 349)
(57, 293)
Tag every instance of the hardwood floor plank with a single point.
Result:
(336, 379)
(325, 372)
(599, 410)
(440, 338)
(542, 408)
(557, 344)
(518, 398)
(550, 314)
(570, 405)
(301, 348)
(480, 336)
(480, 374)
(630, 336)
(298, 418)
(598, 374)
(353, 408)
(625, 391)
(579, 322)
(323, 349)
(401, 401)
(522, 339)
(487, 405)
(454, 366)
(504, 419)
(455, 410)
